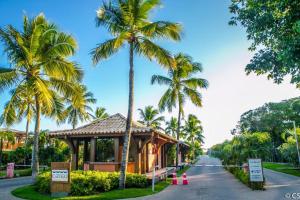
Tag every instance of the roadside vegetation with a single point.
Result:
(282, 167)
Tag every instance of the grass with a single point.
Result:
(18, 172)
(284, 168)
(28, 192)
(184, 169)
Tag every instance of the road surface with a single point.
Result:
(214, 183)
(7, 185)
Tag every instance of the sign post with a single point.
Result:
(255, 171)
(60, 179)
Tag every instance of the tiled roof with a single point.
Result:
(11, 130)
(114, 124)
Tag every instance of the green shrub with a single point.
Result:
(43, 182)
(23, 172)
(92, 182)
(245, 178)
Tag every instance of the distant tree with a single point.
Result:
(78, 108)
(128, 22)
(193, 133)
(182, 83)
(171, 127)
(274, 28)
(7, 137)
(149, 117)
(101, 113)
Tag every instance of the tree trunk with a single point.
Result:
(178, 132)
(35, 153)
(1, 146)
(26, 131)
(127, 137)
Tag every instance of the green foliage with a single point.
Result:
(282, 167)
(92, 182)
(100, 113)
(242, 147)
(273, 27)
(149, 117)
(245, 178)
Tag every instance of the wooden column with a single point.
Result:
(93, 150)
(85, 151)
(116, 149)
(138, 156)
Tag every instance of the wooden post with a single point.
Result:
(116, 149)
(74, 156)
(138, 155)
(60, 179)
(85, 151)
(93, 150)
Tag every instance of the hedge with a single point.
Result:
(92, 182)
(245, 178)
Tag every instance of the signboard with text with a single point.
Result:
(255, 170)
(60, 175)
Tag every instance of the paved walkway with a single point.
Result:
(214, 183)
(7, 185)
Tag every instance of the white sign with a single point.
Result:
(60, 175)
(255, 169)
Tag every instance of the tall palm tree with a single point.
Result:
(79, 106)
(129, 24)
(38, 56)
(101, 113)
(149, 117)
(193, 132)
(182, 84)
(171, 127)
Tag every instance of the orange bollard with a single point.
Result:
(174, 179)
(184, 179)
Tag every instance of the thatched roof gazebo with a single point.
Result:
(144, 142)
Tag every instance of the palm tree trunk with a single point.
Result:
(127, 137)
(1, 146)
(35, 156)
(26, 131)
(178, 132)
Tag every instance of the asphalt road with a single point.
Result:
(214, 183)
(7, 185)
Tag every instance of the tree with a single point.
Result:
(182, 84)
(149, 117)
(193, 132)
(23, 108)
(274, 28)
(101, 113)
(8, 137)
(79, 106)
(38, 56)
(171, 128)
(129, 24)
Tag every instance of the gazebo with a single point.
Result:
(148, 146)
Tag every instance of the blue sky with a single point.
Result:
(222, 50)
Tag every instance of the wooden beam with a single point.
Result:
(93, 150)
(116, 149)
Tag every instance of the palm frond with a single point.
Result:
(161, 80)
(163, 30)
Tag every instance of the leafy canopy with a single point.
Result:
(273, 26)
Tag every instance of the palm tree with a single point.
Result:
(23, 108)
(182, 84)
(101, 113)
(8, 137)
(38, 56)
(193, 131)
(149, 117)
(128, 23)
(79, 107)
(171, 128)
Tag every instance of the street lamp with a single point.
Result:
(296, 137)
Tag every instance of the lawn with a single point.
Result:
(17, 172)
(184, 169)
(284, 168)
(28, 192)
